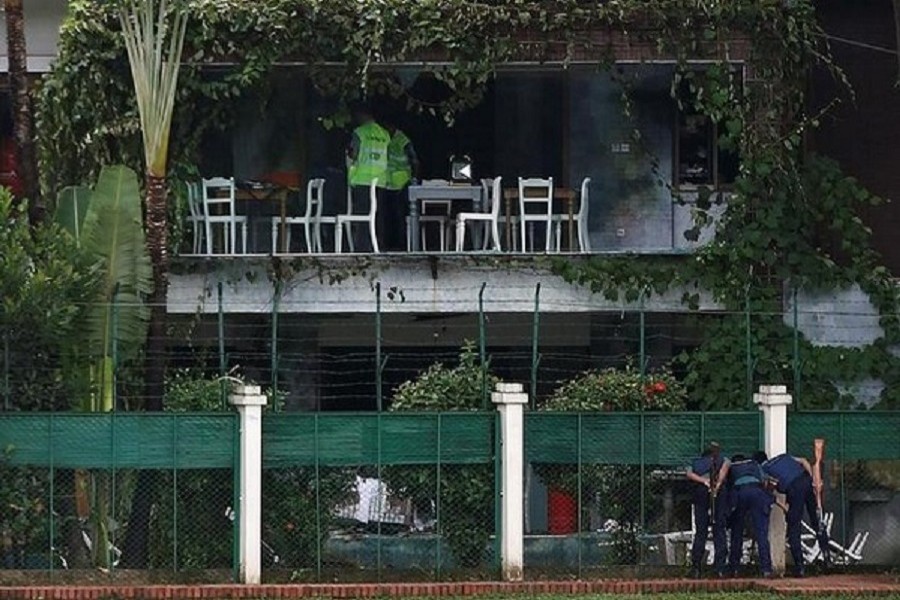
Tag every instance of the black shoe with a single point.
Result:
(768, 575)
(695, 573)
(799, 573)
(723, 575)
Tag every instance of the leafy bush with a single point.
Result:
(618, 389)
(466, 518)
(44, 278)
(615, 488)
(23, 528)
(294, 524)
(441, 388)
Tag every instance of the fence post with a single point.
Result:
(773, 401)
(249, 402)
(535, 340)
(510, 400)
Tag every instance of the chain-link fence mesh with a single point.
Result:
(95, 497)
(392, 496)
(345, 498)
(379, 496)
(608, 492)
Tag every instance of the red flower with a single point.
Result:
(659, 386)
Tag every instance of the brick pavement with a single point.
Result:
(862, 585)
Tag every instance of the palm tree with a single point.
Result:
(21, 104)
(154, 46)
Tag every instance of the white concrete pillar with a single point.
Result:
(773, 401)
(249, 402)
(510, 400)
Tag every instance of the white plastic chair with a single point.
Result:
(489, 219)
(510, 223)
(219, 209)
(347, 220)
(315, 194)
(535, 206)
(195, 216)
(581, 220)
(488, 198)
(331, 220)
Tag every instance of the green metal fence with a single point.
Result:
(385, 496)
(398, 496)
(607, 488)
(155, 487)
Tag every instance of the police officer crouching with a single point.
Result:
(750, 496)
(710, 508)
(793, 478)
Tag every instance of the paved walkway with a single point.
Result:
(863, 585)
(836, 584)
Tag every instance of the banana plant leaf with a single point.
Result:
(116, 325)
(71, 208)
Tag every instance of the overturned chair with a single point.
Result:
(839, 554)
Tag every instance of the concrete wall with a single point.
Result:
(843, 318)
(409, 285)
(43, 19)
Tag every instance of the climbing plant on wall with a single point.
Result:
(790, 219)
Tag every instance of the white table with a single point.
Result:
(417, 193)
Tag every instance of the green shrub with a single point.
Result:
(291, 523)
(466, 518)
(619, 390)
(23, 503)
(44, 279)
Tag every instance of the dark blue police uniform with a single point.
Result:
(751, 498)
(705, 466)
(797, 485)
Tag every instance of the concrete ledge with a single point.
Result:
(337, 284)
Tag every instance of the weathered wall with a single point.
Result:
(629, 208)
(43, 19)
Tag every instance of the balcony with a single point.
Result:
(620, 185)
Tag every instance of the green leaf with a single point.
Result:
(71, 208)
(113, 233)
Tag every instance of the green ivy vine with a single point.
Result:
(792, 221)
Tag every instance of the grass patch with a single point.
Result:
(685, 596)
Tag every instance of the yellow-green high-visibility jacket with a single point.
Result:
(372, 156)
(399, 169)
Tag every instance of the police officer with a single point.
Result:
(367, 157)
(747, 478)
(403, 169)
(793, 478)
(709, 505)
